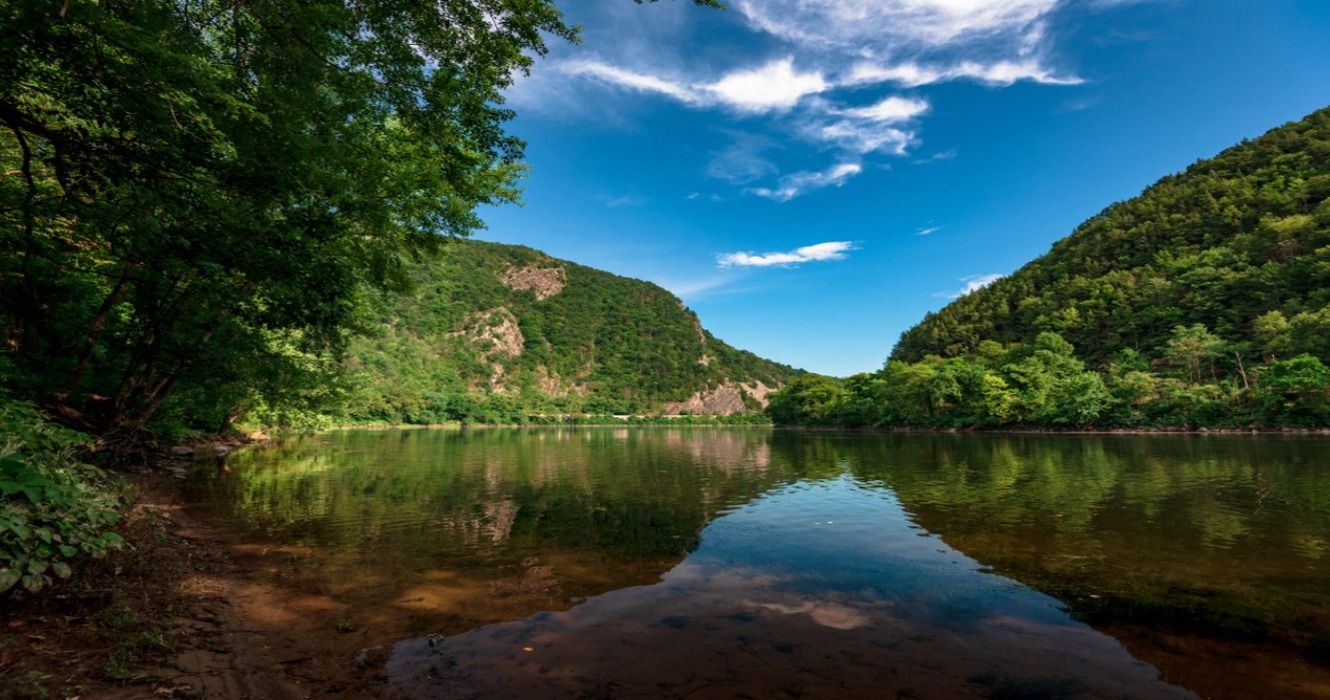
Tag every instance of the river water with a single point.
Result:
(713, 562)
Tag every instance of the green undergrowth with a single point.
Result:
(54, 509)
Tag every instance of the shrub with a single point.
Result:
(53, 507)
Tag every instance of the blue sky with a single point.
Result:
(813, 177)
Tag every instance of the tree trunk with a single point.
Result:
(1242, 371)
(95, 329)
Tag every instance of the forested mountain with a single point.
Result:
(496, 332)
(1203, 301)
(1234, 243)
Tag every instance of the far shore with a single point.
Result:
(1061, 431)
(718, 422)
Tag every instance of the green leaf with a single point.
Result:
(61, 569)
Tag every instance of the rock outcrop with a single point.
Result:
(545, 282)
(725, 400)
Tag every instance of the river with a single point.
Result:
(717, 562)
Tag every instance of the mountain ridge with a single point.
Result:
(499, 331)
(1268, 186)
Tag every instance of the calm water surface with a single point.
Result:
(655, 562)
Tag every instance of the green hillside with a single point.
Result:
(1227, 241)
(497, 332)
(1203, 301)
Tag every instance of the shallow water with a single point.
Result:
(658, 562)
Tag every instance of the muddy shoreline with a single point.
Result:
(176, 614)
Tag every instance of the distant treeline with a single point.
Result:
(1045, 384)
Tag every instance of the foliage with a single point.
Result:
(809, 400)
(199, 196)
(1203, 302)
(53, 508)
(1297, 391)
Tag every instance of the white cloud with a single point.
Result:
(889, 110)
(877, 24)
(795, 184)
(774, 86)
(830, 80)
(862, 130)
(830, 250)
(862, 137)
(1001, 72)
(973, 283)
(633, 80)
(928, 230)
(918, 42)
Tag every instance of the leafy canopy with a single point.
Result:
(197, 194)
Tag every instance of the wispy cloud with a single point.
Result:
(973, 283)
(692, 290)
(928, 230)
(1000, 73)
(633, 80)
(624, 200)
(889, 110)
(825, 74)
(830, 250)
(743, 160)
(884, 24)
(795, 184)
(773, 86)
(940, 155)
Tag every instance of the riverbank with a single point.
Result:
(589, 422)
(1059, 431)
(177, 613)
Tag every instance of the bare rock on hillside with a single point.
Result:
(724, 400)
(545, 282)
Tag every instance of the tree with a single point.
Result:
(1309, 333)
(1272, 332)
(1296, 391)
(809, 400)
(1193, 348)
(1053, 386)
(204, 185)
